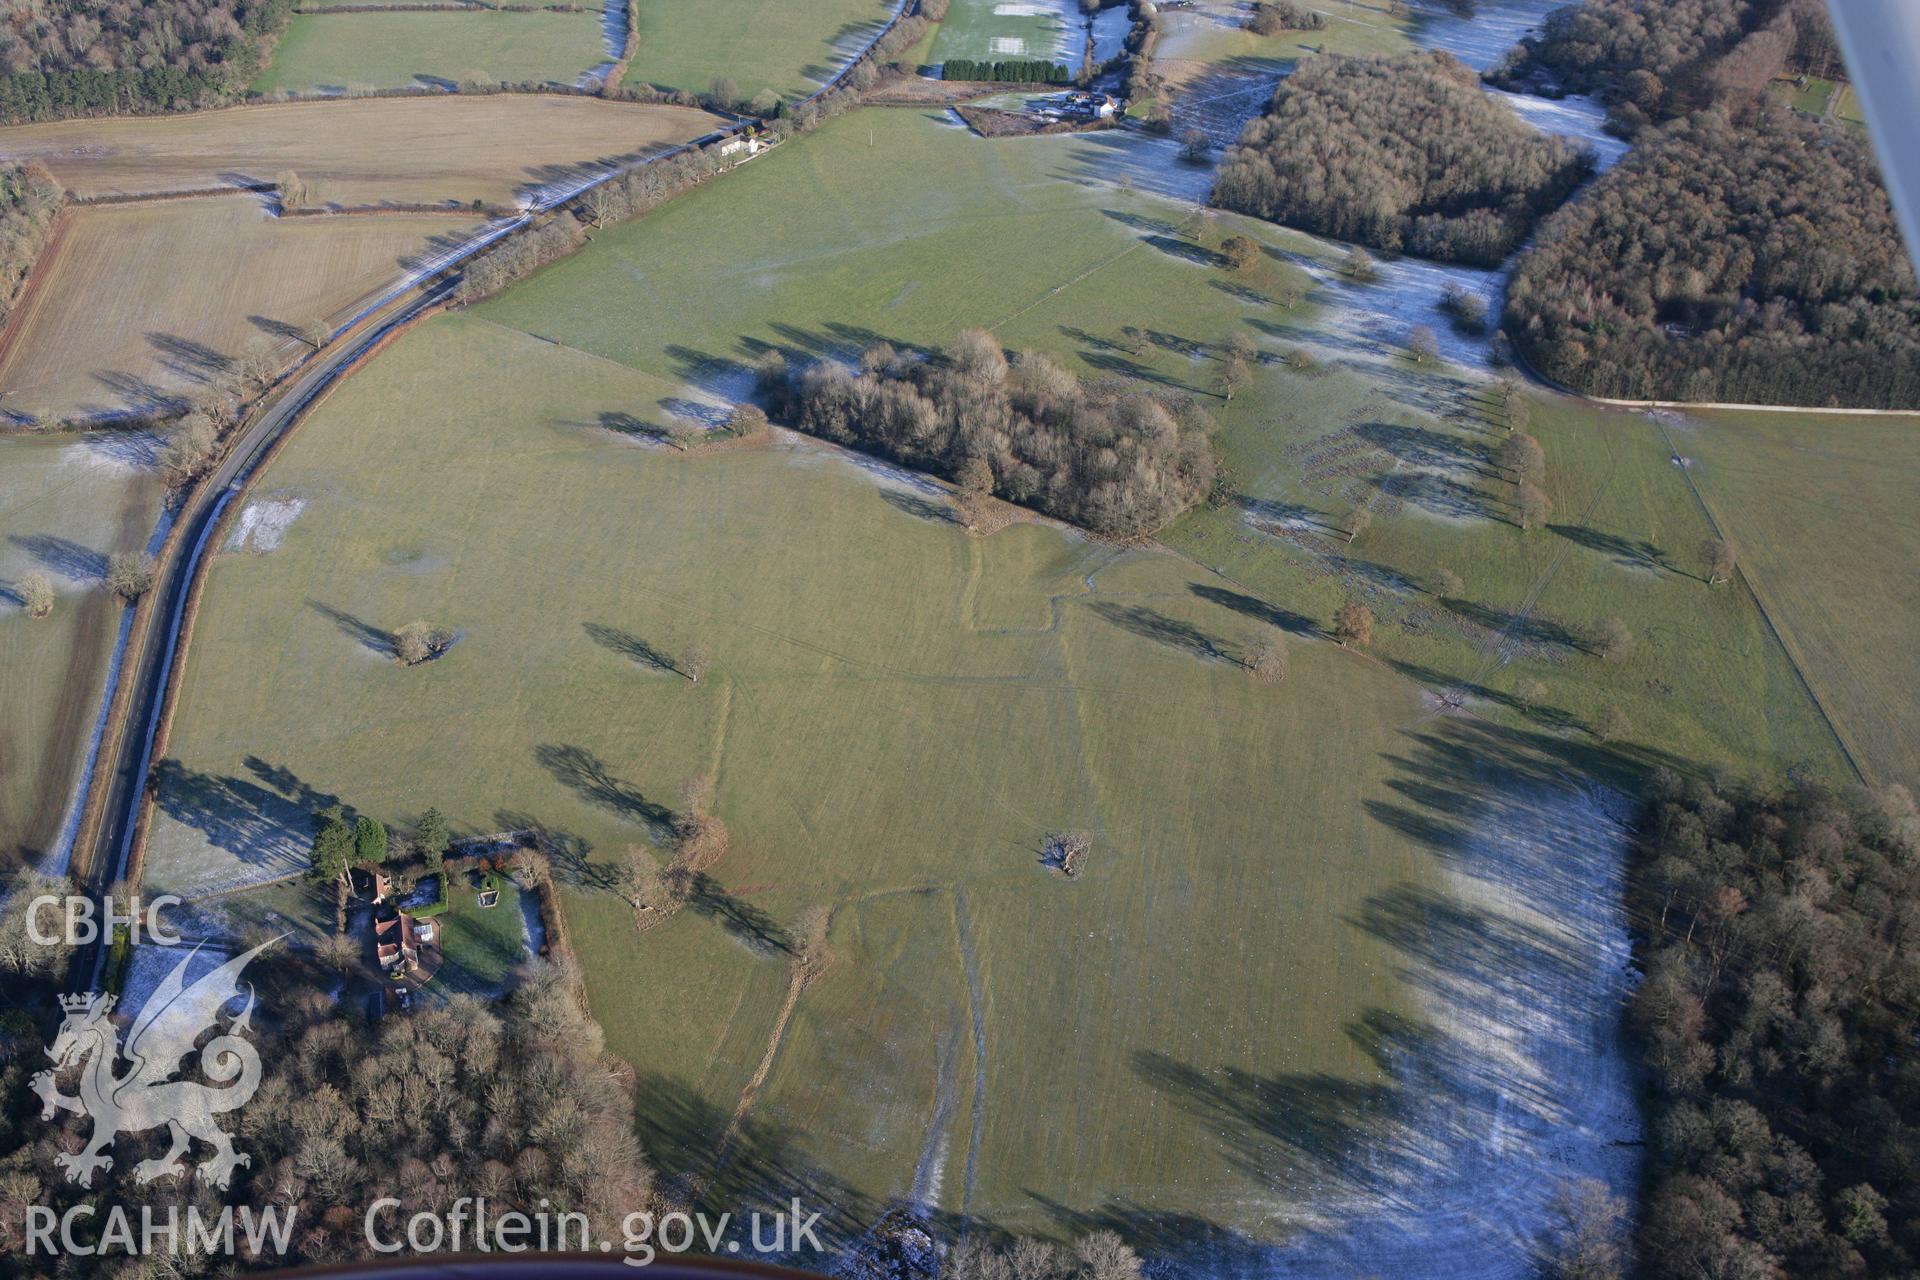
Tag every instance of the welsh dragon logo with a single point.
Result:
(145, 1095)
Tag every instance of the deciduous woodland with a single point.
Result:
(1779, 1016)
(29, 199)
(1108, 455)
(1653, 61)
(1405, 154)
(94, 57)
(1753, 262)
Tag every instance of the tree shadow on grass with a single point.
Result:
(1257, 609)
(263, 821)
(628, 645)
(570, 855)
(359, 629)
(1150, 624)
(921, 508)
(62, 556)
(1627, 552)
(587, 775)
(761, 933)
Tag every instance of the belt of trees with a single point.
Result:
(1348, 148)
(29, 201)
(1753, 261)
(1113, 457)
(1030, 71)
(1777, 1020)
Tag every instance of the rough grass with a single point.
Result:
(66, 504)
(1822, 510)
(148, 302)
(419, 150)
(896, 716)
(339, 53)
(790, 48)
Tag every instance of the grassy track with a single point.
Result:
(418, 150)
(66, 504)
(1819, 507)
(148, 301)
(897, 715)
(790, 48)
(333, 53)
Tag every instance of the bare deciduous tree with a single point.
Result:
(1423, 345)
(36, 594)
(130, 574)
(1531, 505)
(1353, 625)
(418, 641)
(694, 662)
(1721, 557)
(1267, 658)
(1611, 639)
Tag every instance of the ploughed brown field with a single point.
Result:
(359, 151)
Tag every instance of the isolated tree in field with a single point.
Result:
(418, 641)
(333, 845)
(1358, 523)
(1468, 309)
(1359, 265)
(1300, 360)
(1267, 659)
(1521, 457)
(370, 841)
(292, 188)
(1241, 252)
(1612, 725)
(317, 334)
(683, 435)
(1721, 557)
(130, 574)
(1447, 583)
(1195, 146)
(1066, 851)
(694, 662)
(1236, 367)
(1531, 505)
(36, 594)
(700, 837)
(1423, 345)
(1134, 341)
(1353, 625)
(1610, 639)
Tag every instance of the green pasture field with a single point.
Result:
(481, 946)
(897, 715)
(336, 53)
(1359, 30)
(1822, 510)
(1011, 235)
(971, 27)
(67, 502)
(897, 712)
(791, 47)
